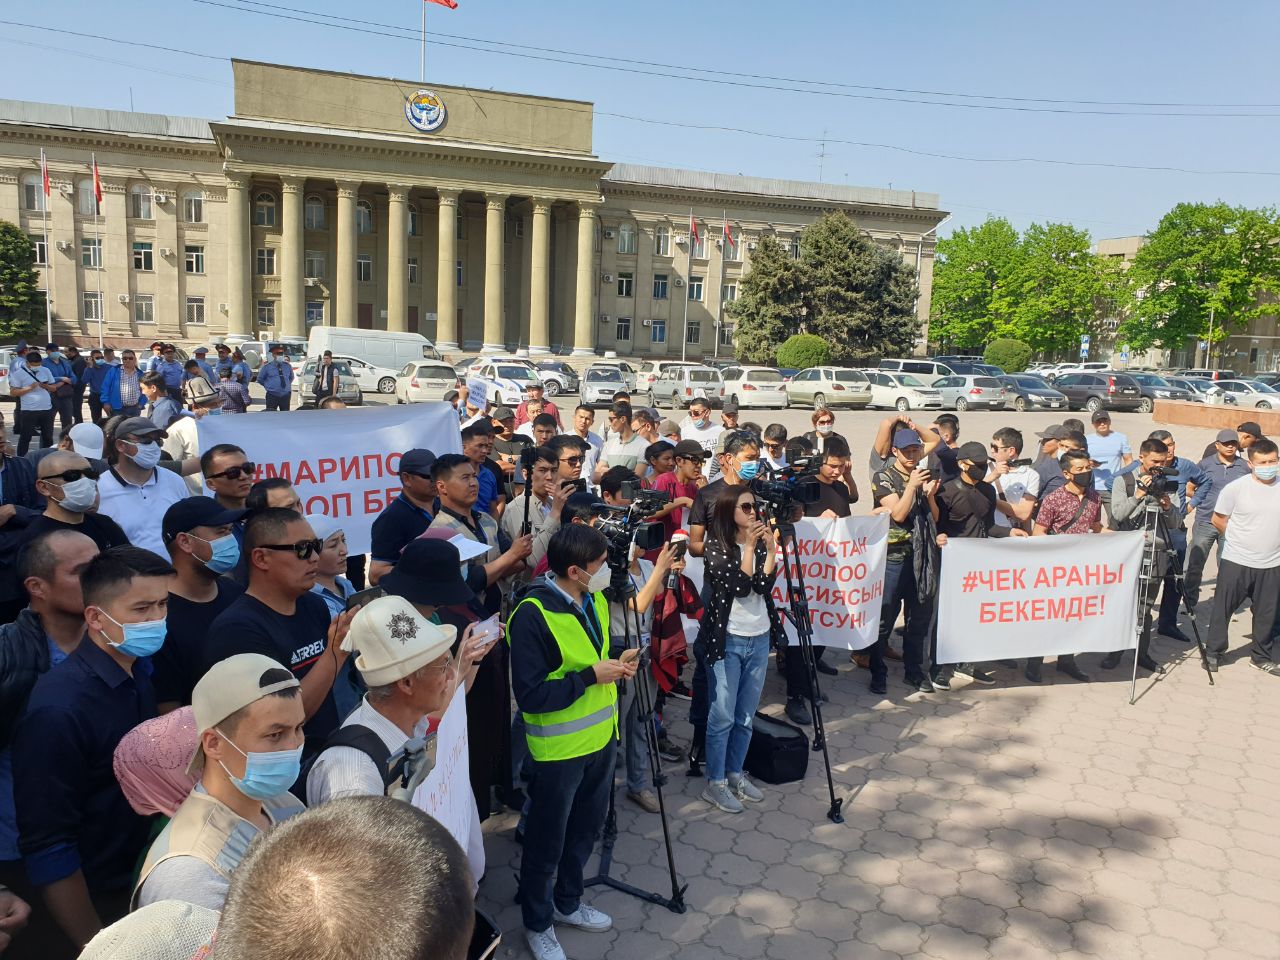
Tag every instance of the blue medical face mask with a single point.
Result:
(226, 552)
(1267, 473)
(99, 362)
(140, 639)
(266, 775)
(748, 470)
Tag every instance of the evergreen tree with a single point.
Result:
(767, 310)
(21, 299)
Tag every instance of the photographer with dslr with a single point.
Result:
(1130, 495)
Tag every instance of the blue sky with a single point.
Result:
(1167, 52)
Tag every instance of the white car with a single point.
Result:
(501, 383)
(754, 387)
(599, 384)
(628, 370)
(1250, 393)
(651, 370)
(425, 381)
(372, 379)
(901, 391)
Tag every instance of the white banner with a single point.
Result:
(1038, 596)
(343, 463)
(842, 560)
(446, 791)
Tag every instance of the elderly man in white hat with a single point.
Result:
(249, 714)
(181, 443)
(381, 748)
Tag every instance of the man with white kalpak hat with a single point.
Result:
(382, 747)
(249, 714)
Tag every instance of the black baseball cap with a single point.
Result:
(417, 461)
(429, 572)
(1099, 416)
(973, 451)
(1251, 428)
(730, 407)
(691, 450)
(185, 515)
(1054, 432)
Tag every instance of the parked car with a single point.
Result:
(629, 371)
(651, 370)
(599, 384)
(788, 372)
(900, 391)
(1108, 390)
(425, 381)
(464, 366)
(829, 387)
(1209, 373)
(967, 392)
(557, 377)
(7, 356)
(1270, 379)
(1200, 390)
(1154, 387)
(372, 379)
(679, 385)
(926, 371)
(1028, 392)
(754, 387)
(1086, 366)
(348, 387)
(1250, 393)
(501, 383)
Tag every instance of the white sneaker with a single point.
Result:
(718, 794)
(744, 789)
(586, 917)
(544, 945)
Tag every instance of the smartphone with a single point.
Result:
(364, 596)
(489, 630)
(580, 484)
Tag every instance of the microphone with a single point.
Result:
(680, 542)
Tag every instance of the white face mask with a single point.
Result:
(598, 581)
(78, 495)
(825, 428)
(147, 455)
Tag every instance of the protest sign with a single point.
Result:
(842, 561)
(343, 463)
(446, 792)
(1037, 596)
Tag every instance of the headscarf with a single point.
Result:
(151, 762)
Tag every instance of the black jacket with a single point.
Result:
(18, 481)
(535, 653)
(723, 580)
(24, 655)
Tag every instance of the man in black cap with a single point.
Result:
(134, 492)
(202, 549)
(1221, 468)
(405, 517)
(1247, 434)
(729, 416)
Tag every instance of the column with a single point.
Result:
(344, 301)
(398, 258)
(446, 275)
(239, 314)
(540, 271)
(494, 248)
(584, 328)
(292, 290)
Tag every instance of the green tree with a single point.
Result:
(770, 296)
(1011, 356)
(21, 299)
(860, 295)
(804, 350)
(970, 265)
(1202, 257)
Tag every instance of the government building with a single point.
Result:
(481, 219)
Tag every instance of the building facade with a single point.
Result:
(481, 219)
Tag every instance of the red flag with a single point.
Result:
(728, 237)
(97, 186)
(44, 172)
(451, 4)
(693, 230)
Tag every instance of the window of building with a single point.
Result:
(193, 206)
(732, 250)
(144, 308)
(658, 331)
(627, 238)
(91, 306)
(364, 216)
(728, 292)
(195, 311)
(142, 257)
(695, 289)
(91, 251)
(195, 258)
(313, 264)
(517, 226)
(626, 282)
(413, 220)
(458, 222)
(693, 333)
(140, 202)
(413, 269)
(364, 268)
(265, 262)
(659, 286)
(33, 192)
(264, 210)
(1253, 356)
(623, 330)
(662, 242)
(457, 270)
(726, 334)
(86, 199)
(700, 244)
(313, 213)
(315, 313)
(795, 248)
(42, 251)
(266, 313)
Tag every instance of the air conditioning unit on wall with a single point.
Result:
(679, 281)
(646, 323)
(123, 298)
(605, 318)
(606, 278)
(608, 234)
(161, 197)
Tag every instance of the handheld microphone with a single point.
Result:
(680, 544)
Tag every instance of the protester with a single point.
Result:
(584, 419)
(162, 409)
(134, 493)
(623, 447)
(78, 836)
(565, 689)
(882, 454)
(533, 408)
(335, 590)
(69, 485)
(275, 376)
(275, 493)
(477, 445)
(20, 504)
(507, 446)
(697, 426)
(95, 374)
(199, 535)
(407, 516)
(183, 443)
(122, 387)
(1247, 434)
(739, 464)
(1110, 448)
(33, 386)
(229, 474)
(1247, 513)
(774, 446)
(533, 393)
(1017, 483)
(79, 366)
(681, 484)
(574, 455)
(233, 396)
(151, 762)
(1222, 467)
(669, 430)
(942, 459)
(325, 383)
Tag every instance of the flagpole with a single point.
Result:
(724, 249)
(688, 278)
(422, 55)
(48, 251)
(97, 230)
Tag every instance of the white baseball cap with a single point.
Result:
(230, 685)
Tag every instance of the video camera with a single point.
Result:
(1161, 482)
(795, 484)
(624, 526)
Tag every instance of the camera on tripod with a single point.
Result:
(795, 484)
(1161, 482)
(624, 526)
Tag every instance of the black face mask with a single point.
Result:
(976, 471)
(1083, 480)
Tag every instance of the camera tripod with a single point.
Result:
(1155, 527)
(622, 591)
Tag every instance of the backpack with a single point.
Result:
(396, 780)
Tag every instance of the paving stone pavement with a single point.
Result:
(1012, 822)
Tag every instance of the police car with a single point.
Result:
(501, 383)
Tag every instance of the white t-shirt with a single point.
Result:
(1016, 484)
(139, 510)
(748, 616)
(1253, 533)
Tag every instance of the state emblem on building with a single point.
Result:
(425, 111)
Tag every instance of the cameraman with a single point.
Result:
(1017, 483)
(1130, 495)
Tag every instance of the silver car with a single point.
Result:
(599, 384)
(348, 387)
(829, 387)
(964, 393)
(678, 386)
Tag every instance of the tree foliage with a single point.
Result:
(804, 350)
(970, 265)
(1011, 356)
(21, 299)
(770, 296)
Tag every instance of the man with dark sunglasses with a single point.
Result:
(69, 485)
(228, 471)
(278, 616)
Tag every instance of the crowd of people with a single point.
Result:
(200, 691)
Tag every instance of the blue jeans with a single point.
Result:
(734, 686)
(635, 748)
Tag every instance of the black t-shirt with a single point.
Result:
(968, 510)
(944, 463)
(701, 508)
(890, 481)
(98, 527)
(395, 527)
(180, 663)
(835, 497)
(295, 642)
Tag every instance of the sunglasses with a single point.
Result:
(245, 469)
(573, 461)
(826, 423)
(71, 476)
(303, 549)
(415, 473)
(747, 507)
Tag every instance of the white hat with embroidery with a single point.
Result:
(391, 640)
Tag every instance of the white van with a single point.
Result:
(382, 348)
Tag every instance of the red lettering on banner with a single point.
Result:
(350, 468)
(1044, 610)
(304, 473)
(376, 469)
(327, 466)
(272, 470)
(393, 469)
(342, 505)
(1089, 575)
(372, 501)
(323, 508)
